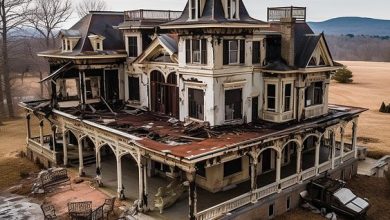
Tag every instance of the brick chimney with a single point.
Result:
(288, 39)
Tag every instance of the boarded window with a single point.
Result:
(256, 52)
(134, 93)
(133, 46)
(287, 97)
(232, 167)
(314, 94)
(271, 97)
(233, 104)
(196, 103)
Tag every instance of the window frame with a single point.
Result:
(241, 105)
(130, 52)
(256, 54)
(313, 89)
(274, 97)
(236, 169)
(230, 9)
(291, 97)
(189, 106)
(139, 88)
(203, 57)
(237, 51)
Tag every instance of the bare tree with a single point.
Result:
(48, 15)
(85, 6)
(46, 18)
(12, 16)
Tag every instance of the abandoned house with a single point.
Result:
(202, 113)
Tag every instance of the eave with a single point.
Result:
(84, 57)
(219, 25)
(304, 70)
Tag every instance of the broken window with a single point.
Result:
(196, 103)
(314, 94)
(196, 51)
(256, 52)
(288, 97)
(133, 46)
(233, 104)
(134, 92)
(68, 89)
(232, 167)
(271, 97)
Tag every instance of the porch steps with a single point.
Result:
(88, 160)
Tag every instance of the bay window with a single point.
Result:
(271, 97)
(288, 97)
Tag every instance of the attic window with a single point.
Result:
(232, 9)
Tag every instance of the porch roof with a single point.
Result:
(193, 142)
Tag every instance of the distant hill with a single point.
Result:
(352, 25)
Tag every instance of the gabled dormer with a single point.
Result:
(69, 39)
(321, 55)
(96, 42)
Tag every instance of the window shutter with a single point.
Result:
(256, 52)
(204, 51)
(242, 51)
(225, 52)
(188, 51)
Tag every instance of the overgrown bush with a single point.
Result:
(343, 75)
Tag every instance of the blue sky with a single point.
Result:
(318, 10)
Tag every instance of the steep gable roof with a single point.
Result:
(165, 42)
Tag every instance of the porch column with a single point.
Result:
(28, 125)
(82, 89)
(299, 162)
(192, 200)
(54, 142)
(65, 147)
(81, 158)
(317, 156)
(41, 133)
(278, 166)
(119, 177)
(333, 141)
(354, 137)
(142, 197)
(342, 133)
(253, 174)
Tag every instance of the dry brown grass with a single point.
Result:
(370, 88)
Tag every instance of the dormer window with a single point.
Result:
(97, 42)
(196, 7)
(232, 9)
(70, 39)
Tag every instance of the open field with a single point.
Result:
(370, 88)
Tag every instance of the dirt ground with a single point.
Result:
(369, 89)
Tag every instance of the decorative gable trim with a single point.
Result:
(321, 55)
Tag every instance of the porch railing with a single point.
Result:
(141, 14)
(223, 208)
(337, 161)
(44, 151)
(307, 174)
(348, 156)
(289, 181)
(325, 167)
(266, 191)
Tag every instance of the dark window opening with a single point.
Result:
(98, 46)
(193, 9)
(255, 109)
(287, 97)
(133, 46)
(314, 94)
(200, 169)
(271, 97)
(288, 205)
(232, 167)
(134, 89)
(271, 211)
(322, 61)
(233, 104)
(196, 103)
(313, 62)
(273, 49)
(256, 52)
(68, 45)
